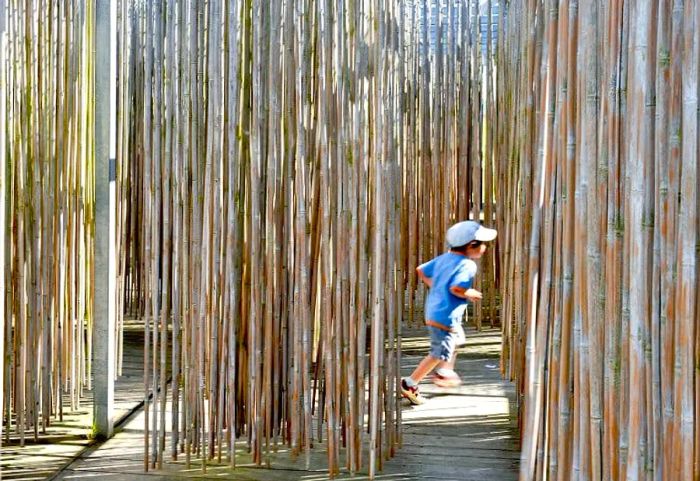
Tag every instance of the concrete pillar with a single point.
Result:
(103, 337)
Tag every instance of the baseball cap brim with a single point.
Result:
(485, 234)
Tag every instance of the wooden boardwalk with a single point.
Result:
(66, 440)
(467, 434)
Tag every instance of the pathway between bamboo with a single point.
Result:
(66, 439)
(464, 434)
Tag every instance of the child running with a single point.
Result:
(450, 277)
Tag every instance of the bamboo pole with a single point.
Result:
(686, 289)
(4, 204)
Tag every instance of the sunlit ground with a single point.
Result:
(465, 433)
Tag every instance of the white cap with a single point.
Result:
(463, 233)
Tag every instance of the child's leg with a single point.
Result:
(446, 375)
(424, 367)
(449, 364)
(445, 367)
(441, 349)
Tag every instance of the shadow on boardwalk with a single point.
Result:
(466, 433)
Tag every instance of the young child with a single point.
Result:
(450, 277)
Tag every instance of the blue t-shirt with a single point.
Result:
(445, 271)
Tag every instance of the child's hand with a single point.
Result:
(473, 295)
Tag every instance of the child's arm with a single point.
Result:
(469, 294)
(425, 272)
(427, 280)
(462, 281)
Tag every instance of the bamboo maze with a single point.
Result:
(596, 118)
(282, 167)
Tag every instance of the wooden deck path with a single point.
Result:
(65, 440)
(467, 434)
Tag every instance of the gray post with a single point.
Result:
(103, 336)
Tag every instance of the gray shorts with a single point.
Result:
(443, 343)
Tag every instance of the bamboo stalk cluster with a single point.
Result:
(283, 168)
(596, 114)
(47, 182)
(448, 178)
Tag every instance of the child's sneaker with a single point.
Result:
(411, 393)
(446, 378)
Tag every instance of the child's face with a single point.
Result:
(475, 250)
